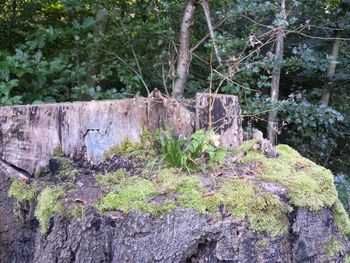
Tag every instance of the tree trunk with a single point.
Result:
(205, 5)
(101, 21)
(184, 50)
(275, 82)
(331, 69)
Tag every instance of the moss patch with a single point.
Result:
(48, 204)
(22, 191)
(148, 148)
(107, 182)
(265, 212)
(63, 168)
(333, 248)
(245, 146)
(309, 185)
(341, 218)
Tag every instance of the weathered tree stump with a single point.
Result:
(222, 114)
(29, 134)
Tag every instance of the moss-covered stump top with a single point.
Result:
(248, 185)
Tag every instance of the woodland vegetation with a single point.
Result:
(288, 61)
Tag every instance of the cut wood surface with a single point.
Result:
(30, 133)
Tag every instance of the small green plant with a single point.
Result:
(48, 204)
(333, 248)
(186, 154)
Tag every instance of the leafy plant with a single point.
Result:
(203, 146)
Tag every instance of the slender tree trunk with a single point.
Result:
(101, 21)
(205, 5)
(12, 23)
(184, 58)
(275, 82)
(331, 69)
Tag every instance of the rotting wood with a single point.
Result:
(221, 113)
(30, 133)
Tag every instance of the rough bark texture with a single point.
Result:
(180, 236)
(331, 69)
(221, 113)
(184, 59)
(275, 82)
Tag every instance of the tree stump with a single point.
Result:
(221, 113)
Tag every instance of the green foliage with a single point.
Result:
(341, 219)
(308, 184)
(48, 204)
(333, 248)
(22, 191)
(147, 149)
(186, 154)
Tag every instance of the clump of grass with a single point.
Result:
(147, 149)
(309, 185)
(22, 191)
(341, 219)
(333, 248)
(201, 148)
(48, 204)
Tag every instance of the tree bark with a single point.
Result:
(331, 69)
(184, 50)
(205, 6)
(275, 82)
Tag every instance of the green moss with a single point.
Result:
(22, 191)
(309, 185)
(333, 248)
(66, 168)
(48, 204)
(109, 181)
(133, 195)
(341, 218)
(58, 152)
(265, 212)
(74, 211)
(245, 146)
(347, 259)
(146, 149)
(262, 243)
